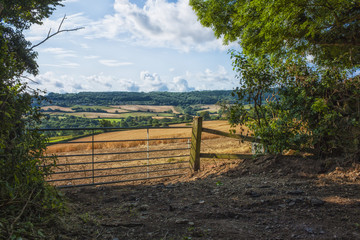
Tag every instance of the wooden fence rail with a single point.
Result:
(195, 153)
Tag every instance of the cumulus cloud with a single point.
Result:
(52, 82)
(158, 24)
(218, 79)
(151, 82)
(181, 85)
(77, 86)
(221, 75)
(59, 84)
(208, 79)
(114, 63)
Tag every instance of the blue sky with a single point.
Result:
(130, 45)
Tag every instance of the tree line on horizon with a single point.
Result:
(138, 98)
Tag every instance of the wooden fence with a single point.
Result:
(195, 152)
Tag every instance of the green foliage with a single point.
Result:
(297, 103)
(152, 98)
(326, 29)
(205, 115)
(26, 201)
(80, 109)
(327, 102)
(25, 197)
(311, 109)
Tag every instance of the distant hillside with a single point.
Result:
(141, 98)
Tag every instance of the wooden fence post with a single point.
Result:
(196, 143)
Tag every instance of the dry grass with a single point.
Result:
(114, 109)
(145, 108)
(210, 108)
(94, 115)
(66, 109)
(138, 134)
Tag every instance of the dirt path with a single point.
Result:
(265, 198)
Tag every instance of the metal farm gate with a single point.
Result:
(93, 159)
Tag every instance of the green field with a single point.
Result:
(60, 138)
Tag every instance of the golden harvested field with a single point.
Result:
(130, 157)
(145, 108)
(210, 108)
(138, 134)
(66, 109)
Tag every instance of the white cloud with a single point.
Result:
(91, 57)
(181, 85)
(59, 52)
(70, 65)
(114, 63)
(52, 82)
(69, 1)
(218, 76)
(62, 65)
(148, 82)
(209, 79)
(158, 24)
(151, 82)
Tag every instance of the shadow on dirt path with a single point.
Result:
(265, 198)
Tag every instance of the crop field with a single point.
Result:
(66, 109)
(146, 108)
(211, 108)
(123, 111)
(130, 159)
(114, 112)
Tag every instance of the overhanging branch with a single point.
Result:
(56, 33)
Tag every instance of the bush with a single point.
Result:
(26, 200)
(296, 106)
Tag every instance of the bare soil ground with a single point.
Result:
(271, 197)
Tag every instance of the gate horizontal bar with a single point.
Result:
(126, 167)
(116, 153)
(105, 128)
(116, 175)
(114, 141)
(236, 136)
(121, 181)
(112, 161)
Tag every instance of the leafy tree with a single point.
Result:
(297, 102)
(328, 30)
(205, 115)
(105, 123)
(25, 198)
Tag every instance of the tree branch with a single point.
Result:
(31, 80)
(21, 213)
(56, 33)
